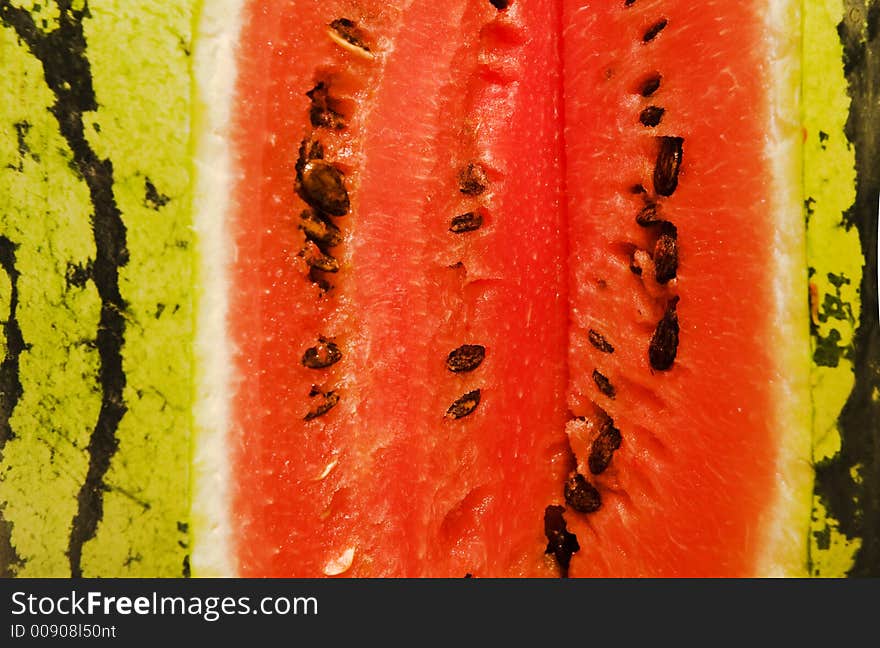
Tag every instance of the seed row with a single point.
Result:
(322, 187)
(579, 493)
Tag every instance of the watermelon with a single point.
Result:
(502, 288)
(528, 452)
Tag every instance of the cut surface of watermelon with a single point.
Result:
(684, 232)
(514, 292)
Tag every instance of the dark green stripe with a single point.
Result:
(67, 71)
(10, 393)
(855, 502)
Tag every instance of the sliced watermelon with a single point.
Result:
(416, 389)
(687, 294)
(372, 433)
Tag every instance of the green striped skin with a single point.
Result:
(96, 252)
(841, 93)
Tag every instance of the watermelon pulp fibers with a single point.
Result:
(417, 388)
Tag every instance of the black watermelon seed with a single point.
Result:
(664, 342)
(629, 3)
(321, 112)
(651, 116)
(603, 447)
(318, 229)
(464, 405)
(648, 215)
(466, 223)
(331, 398)
(650, 85)
(604, 384)
(654, 29)
(581, 495)
(668, 165)
(561, 543)
(322, 355)
(500, 5)
(472, 180)
(467, 357)
(322, 186)
(350, 32)
(637, 188)
(598, 340)
(666, 254)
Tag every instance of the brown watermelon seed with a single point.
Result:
(664, 342)
(464, 405)
(604, 384)
(581, 495)
(472, 180)
(648, 215)
(650, 84)
(651, 116)
(466, 223)
(634, 266)
(500, 5)
(317, 278)
(309, 149)
(561, 543)
(318, 260)
(598, 340)
(666, 254)
(668, 165)
(467, 357)
(612, 435)
(322, 187)
(346, 33)
(322, 355)
(603, 447)
(321, 112)
(654, 30)
(318, 229)
(331, 398)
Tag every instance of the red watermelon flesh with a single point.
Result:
(696, 470)
(388, 481)
(437, 249)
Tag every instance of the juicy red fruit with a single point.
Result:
(415, 469)
(489, 258)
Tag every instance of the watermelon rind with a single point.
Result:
(217, 28)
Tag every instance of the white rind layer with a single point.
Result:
(788, 517)
(214, 71)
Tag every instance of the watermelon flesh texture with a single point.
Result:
(386, 482)
(697, 468)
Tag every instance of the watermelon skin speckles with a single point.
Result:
(841, 189)
(97, 248)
